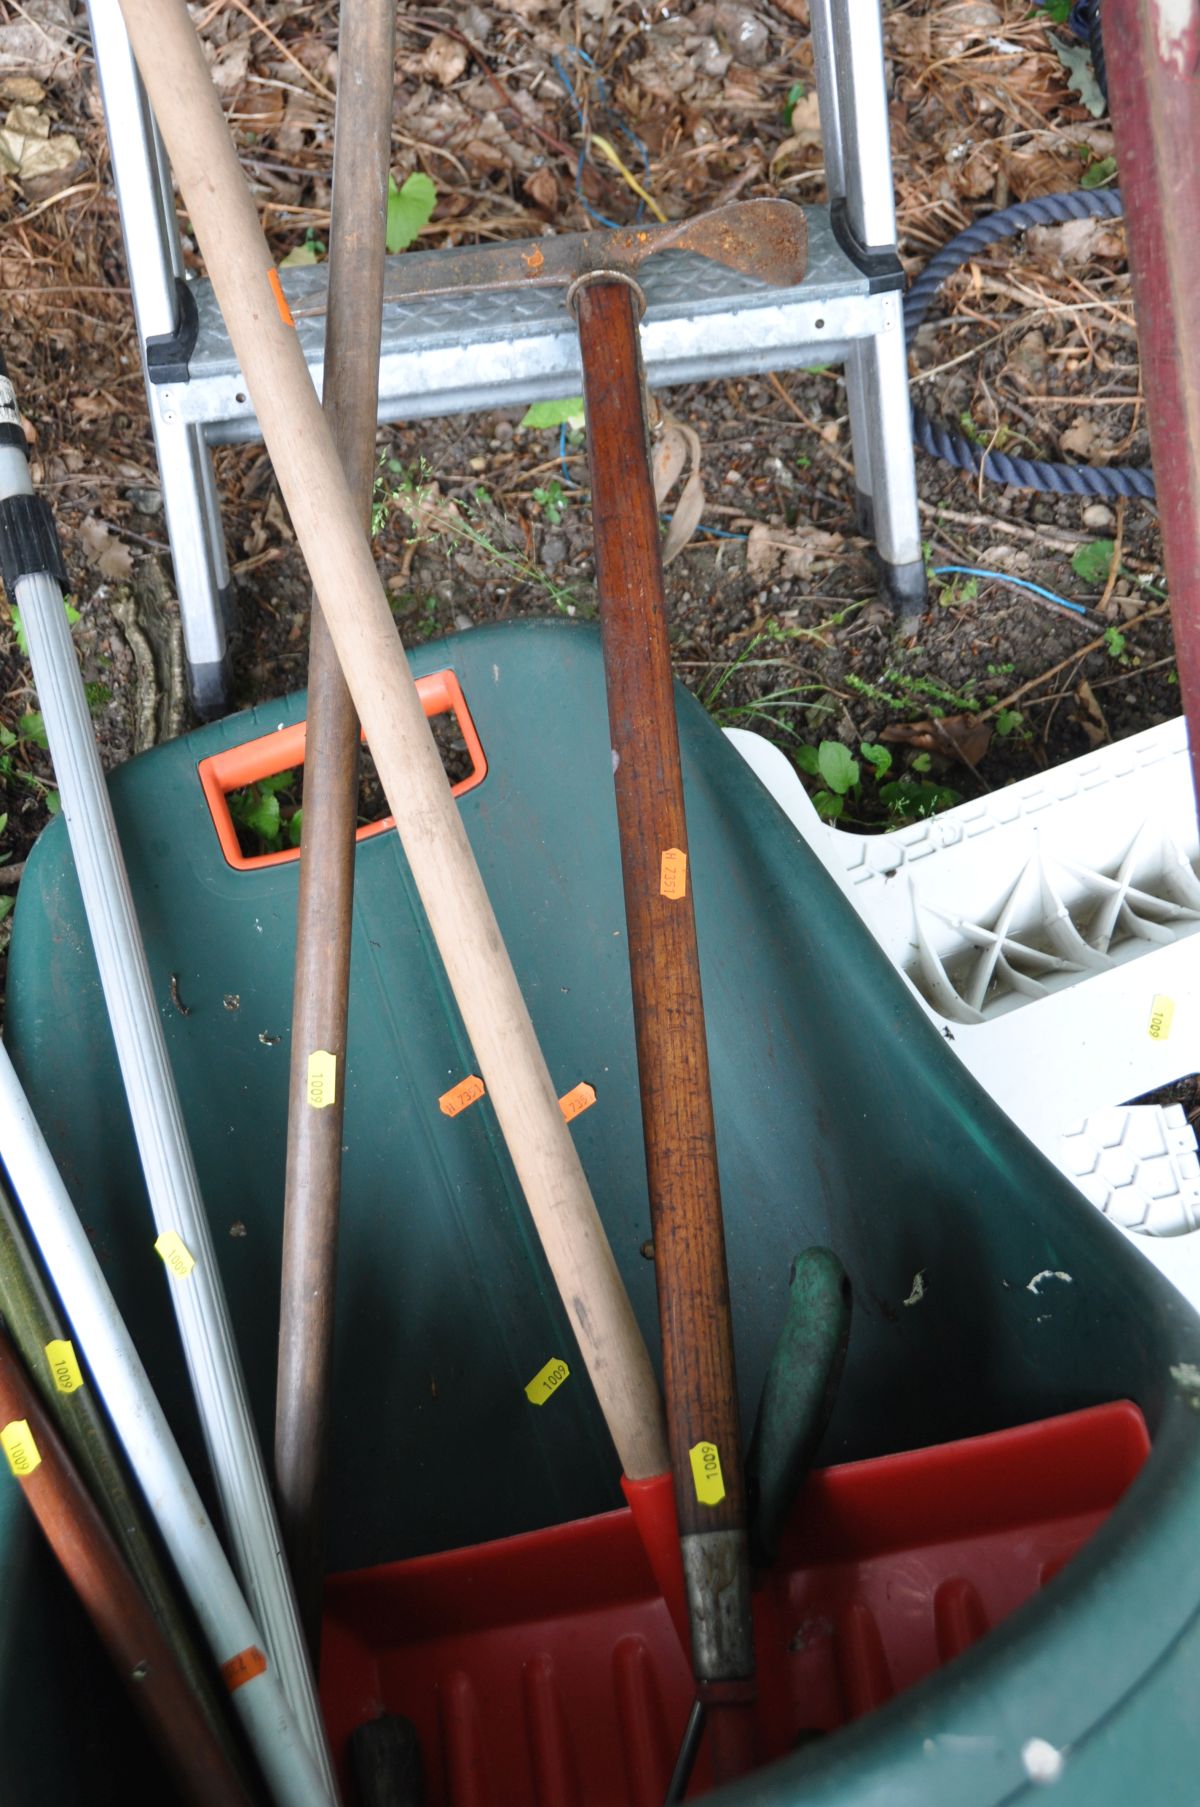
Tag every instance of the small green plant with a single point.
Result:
(839, 771)
(409, 207)
(542, 415)
(1115, 643)
(795, 93)
(268, 824)
(553, 499)
(1092, 561)
(32, 728)
(906, 799)
(97, 696)
(19, 750)
(470, 522)
(1098, 172)
(958, 591)
(311, 251)
(1010, 724)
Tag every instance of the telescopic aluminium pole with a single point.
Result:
(153, 1454)
(31, 565)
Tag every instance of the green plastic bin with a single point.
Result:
(842, 1119)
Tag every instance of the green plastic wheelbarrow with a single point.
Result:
(991, 1584)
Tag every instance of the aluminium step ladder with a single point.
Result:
(474, 351)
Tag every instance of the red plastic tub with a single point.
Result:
(545, 1670)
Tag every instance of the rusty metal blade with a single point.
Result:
(766, 241)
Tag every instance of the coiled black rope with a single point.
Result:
(955, 448)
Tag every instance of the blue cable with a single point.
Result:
(1017, 583)
(618, 125)
(720, 533)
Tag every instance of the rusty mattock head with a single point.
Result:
(765, 240)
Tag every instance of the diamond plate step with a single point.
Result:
(479, 350)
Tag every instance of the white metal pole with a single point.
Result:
(179, 1217)
(153, 1454)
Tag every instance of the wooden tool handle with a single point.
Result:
(338, 554)
(320, 995)
(668, 1011)
(664, 963)
(112, 1599)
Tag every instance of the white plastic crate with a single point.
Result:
(1050, 931)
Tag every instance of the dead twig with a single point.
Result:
(1114, 569)
(1081, 652)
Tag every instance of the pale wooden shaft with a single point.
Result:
(342, 569)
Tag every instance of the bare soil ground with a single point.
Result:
(773, 612)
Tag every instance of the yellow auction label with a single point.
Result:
(580, 1098)
(16, 1440)
(64, 1365)
(322, 1078)
(1162, 1013)
(175, 1252)
(547, 1380)
(707, 1478)
(672, 873)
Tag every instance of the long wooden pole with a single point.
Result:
(329, 530)
(361, 145)
(75, 1531)
(668, 1011)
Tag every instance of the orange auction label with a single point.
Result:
(285, 312)
(672, 875)
(580, 1098)
(460, 1095)
(243, 1667)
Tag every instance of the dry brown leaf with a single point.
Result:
(1075, 242)
(22, 88)
(229, 64)
(485, 155)
(112, 558)
(678, 446)
(1080, 437)
(1090, 715)
(962, 23)
(908, 37)
(795, 9)
(963, 737)
(257, 108)
(774, 552)
(542, 189)
(444, 60)
(38, 44)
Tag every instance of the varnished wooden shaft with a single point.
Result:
(362, 143)
(85, 1548)
(677, 1118)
